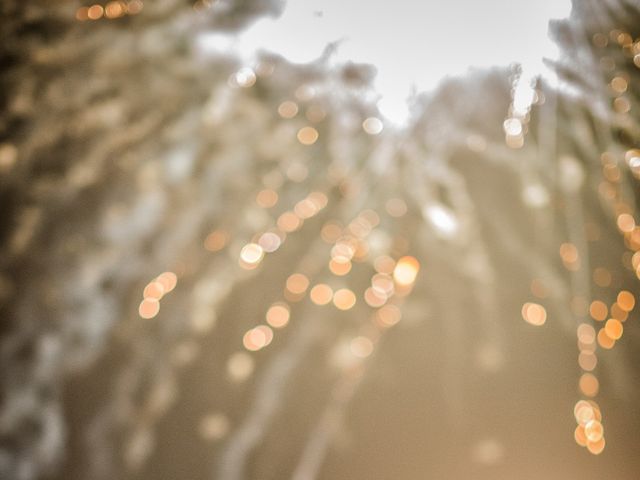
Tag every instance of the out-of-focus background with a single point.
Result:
(248, 239)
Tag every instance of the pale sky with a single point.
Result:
(412, 43)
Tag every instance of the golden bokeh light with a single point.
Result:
(580, 437)
(589, 385)
(361, 347)
(340, 267)
(583, 412)
(594, 431)
(596, 448)
(251, 255)
(289, 222)
(344, 299)
(383, 284)
(307, 135)
(270, 242)
(613, 328)
(384, 264)
(149, 308)
(598, 310)
(216, 240)
(604, 340)
(288, 109)
(114, 9)
(169, 280)
(586, 333)
(406, 271)
(587, 361)
(297, 283)
(388, 315)
(321, 294)
(534, 314)
(626, 300)
(625, 223)
(257, 338)
(95, 12)
(153, 290)
(278, 315)
(374, 298)
(267, 198)
(618, 313)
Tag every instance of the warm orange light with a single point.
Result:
(618, 313)
(589, 385)
(586, 333)
(321, 294)
(384, 264)
(406, 271)
(344, 299)
(257, 338)
(289, 222)
(587, 361)
(149, 308)
(374, 298)
(169, 280)
(583, 412)
(580, 437)
(297, 283)
(613, 328)
(388, 315)
(626, 223)
(534, 313)
(288, 109)
(604, 340)
(216, 240)
(251, 255)
(598, 310)
(278, 315)
(153, 290)
(307, 135)
(95, 12)
(267, 198)
(594, 431)
(596, 448)
(626, 300)
(340, 267)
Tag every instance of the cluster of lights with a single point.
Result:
(153, 293)
(612, 318)
(252, 254)
(111, 10)
(609, 319)
(347, 244)
(589, 432)
(524, 95)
